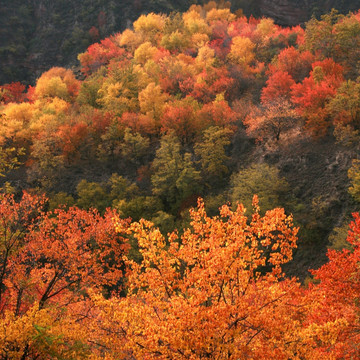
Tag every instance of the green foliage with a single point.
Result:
(49, 163)
(9, 159)
(60, 199)
(214, 202)
(262, 180)
(121, 188)
(319, 36)
(92, 194)
(174, 175)
(345, 105)
(110, 147)
(338, 236)
(55, 346)
(117, 192)
(212, 153)
(135, 146)
(88, 93)
(138, 207)
(164, 221)
(354, 176)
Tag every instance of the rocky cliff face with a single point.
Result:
(285, 12)
(38, 34)
(293, 12)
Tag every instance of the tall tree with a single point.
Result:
(174, 175)
(207, 294)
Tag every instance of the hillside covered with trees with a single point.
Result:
(38, 35)
(171, 120)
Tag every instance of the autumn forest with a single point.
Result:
(190, 192)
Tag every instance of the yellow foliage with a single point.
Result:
(220, 14)
(15, 120)
(130, 39)
(195, 24)
(206, 56)
(41, 333)
(117, 97)
(44, 120)
(152, 69)
(51, 87)
(198, 40)
(22, 112)
(57, 82)
(265, 27)
(242, 51)
(152, 100)
(175, 41)
(52, 105)
(150, 27)
(145, 52)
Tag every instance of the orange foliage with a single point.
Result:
(214, 293)
(71, 137)
(296, 63)
(140, 123)
(181, 117)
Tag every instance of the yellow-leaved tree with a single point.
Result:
(214, 292)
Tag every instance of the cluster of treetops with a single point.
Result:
(151, 127)
(73, 287)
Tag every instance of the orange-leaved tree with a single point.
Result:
(48, 262)
(214, 292)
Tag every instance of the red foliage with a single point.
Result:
(13, 92)
(217, 113)
(94, 33)
(182, 119)
(337, 296)
(161, 54)
(140, 123)
(99, 121)
(314, 93)
(100, 54)
(213, 81)
(187, 86)
(30, 95)
(296, 63)
(54, 257)
(71, 137)
(243, 27)
(278, 85)
(220, 39)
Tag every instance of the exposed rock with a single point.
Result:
(285, 12)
